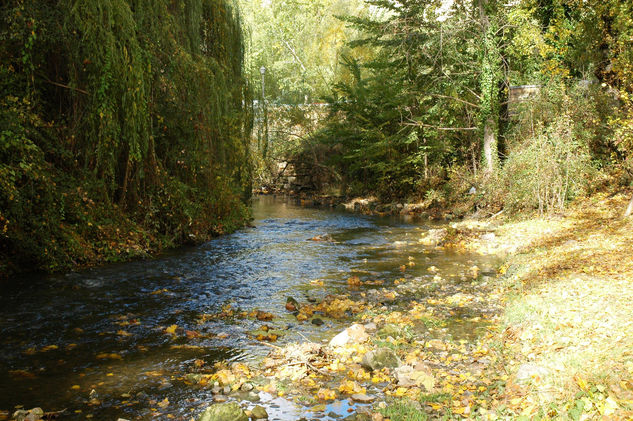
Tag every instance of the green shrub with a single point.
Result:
(547, 170)
(553, 150)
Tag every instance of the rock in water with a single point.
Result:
(353, 334)
(34, 414)
(223, 412)
(264, 316)
(358, 417)
(292, 304)
(380, 358)
(317, 322)
(259, 413)
(362, 398)
(434, 237)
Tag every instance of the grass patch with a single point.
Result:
(404, 411)
(434, 397)
(568, 312)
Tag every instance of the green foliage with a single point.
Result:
(129, 113)
(414, 120)
(376, 148)
(300, 43)
(550, 158)
(421, 103)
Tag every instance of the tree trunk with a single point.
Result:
(629, 209)
(490, 146)
(488, 84)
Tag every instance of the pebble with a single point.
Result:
(259, 413)
(362, 398)
(370, 327)
(220, 398)
(166, 385)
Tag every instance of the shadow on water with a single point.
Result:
(104, 329)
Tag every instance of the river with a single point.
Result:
(97, 342)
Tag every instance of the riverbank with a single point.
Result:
(565, 332)
(547, 337)
(94, 232)
(370, 205)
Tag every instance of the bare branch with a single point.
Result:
(430, 126)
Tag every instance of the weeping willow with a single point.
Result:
(142, 102)
(165, 89)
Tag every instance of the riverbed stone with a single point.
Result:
(317, 322)
(193, 378)
(353, 334)
(34, 414)
(434, 237)
(292, 305)
(247, 387)
(358, 417)
(420, 376)
(220, 398)
(370, 327)
(264, 316)
(259, 413)
(380, 358)
(363, 398)
(223, 412)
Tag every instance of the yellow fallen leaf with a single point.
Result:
(109, 356)
(171, 329)
(581, 383)
(75, 387)
(325, 394)
(49, 348)
(400, 392)
(153, 373)
(164, 403)
(351, 387)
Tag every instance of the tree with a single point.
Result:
(450, 73)
(299, 43)
(132, 107)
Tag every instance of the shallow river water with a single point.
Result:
(103, 331)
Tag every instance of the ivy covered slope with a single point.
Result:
(123, 128)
